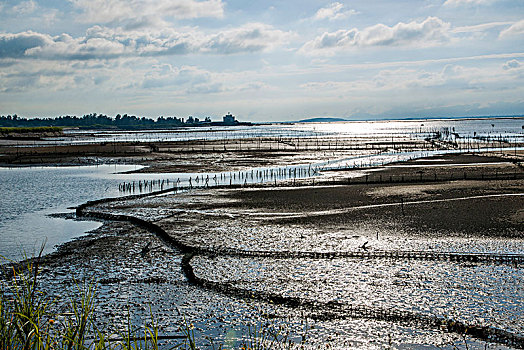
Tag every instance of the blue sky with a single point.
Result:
(262, 60)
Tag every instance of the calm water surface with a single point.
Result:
(509, 128)
(31, 194)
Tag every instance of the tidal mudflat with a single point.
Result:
(426, 253)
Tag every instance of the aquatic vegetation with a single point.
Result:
(29, 320)
(32, 320)
(27, 130)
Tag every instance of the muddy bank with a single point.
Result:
(134, 267)
(234, 228)
(436, 205)
(209, 155)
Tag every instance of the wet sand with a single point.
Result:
(428, 205)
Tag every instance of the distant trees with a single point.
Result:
(101, 121)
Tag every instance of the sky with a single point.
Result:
(275, 60)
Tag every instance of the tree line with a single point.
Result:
(95, 120)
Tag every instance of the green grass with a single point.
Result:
(23, 130)
(28, 322)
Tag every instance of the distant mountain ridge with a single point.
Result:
(330, 119)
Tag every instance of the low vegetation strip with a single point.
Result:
(27, 321)
(30, 130)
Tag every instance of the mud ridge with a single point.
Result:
(329, 310)
(499, 258)
(336, 310)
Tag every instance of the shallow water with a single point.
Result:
(470, 293)
(32, 194)
(485, 294)
(509, 129)
(427, 287)
(35, 193)
(182, 134)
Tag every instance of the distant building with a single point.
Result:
(229, 119)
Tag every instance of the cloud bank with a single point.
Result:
(333, 12)
(107, 43)
(514, 30)
(431, 31)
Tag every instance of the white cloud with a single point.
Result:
(25, 7)
(210, 88)
(146, 12)
(166, 75)
(515, 29)
(511, 65)
(412, 82)
(65, 47)
(196, 80)
(108, 43)
(429, 32)
(479, 27)
(22, 77)
(337, 68)
(334, 12)
(16, 45)
(455, 3)
(27, 14)
(248, 38)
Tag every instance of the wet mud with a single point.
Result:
(417, 259)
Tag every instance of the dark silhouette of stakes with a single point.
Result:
(145, 250)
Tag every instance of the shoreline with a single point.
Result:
(231, 152)
(395, 170)
(411, 208)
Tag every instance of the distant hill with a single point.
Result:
(330, 120)
(322, 120)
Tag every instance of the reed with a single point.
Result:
(28, 322)
(23, 130)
